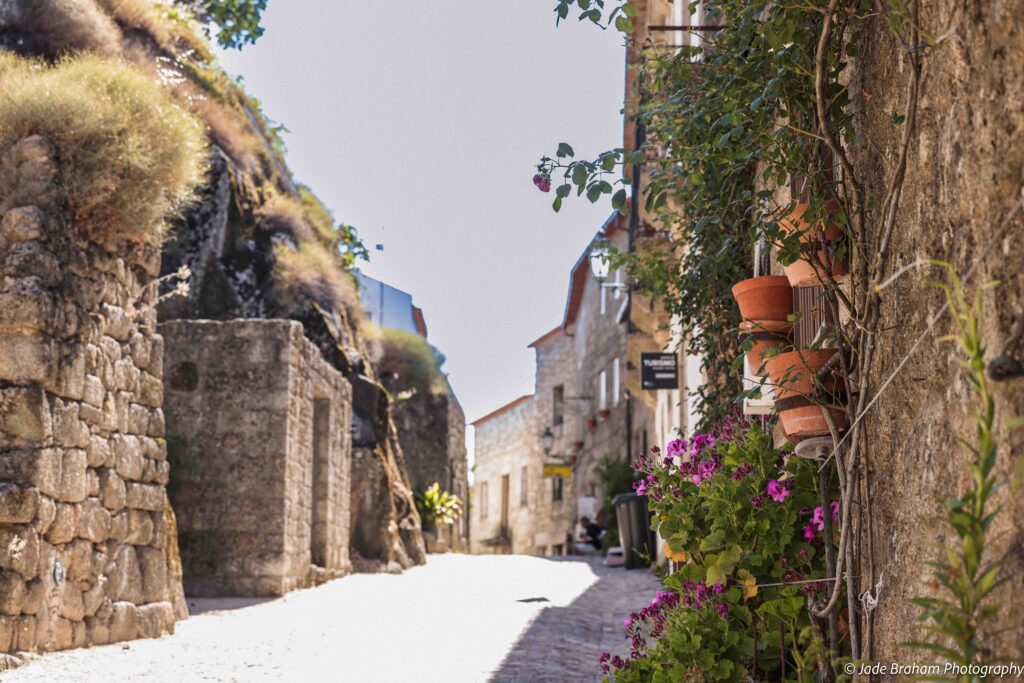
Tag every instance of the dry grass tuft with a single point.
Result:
(61, 26)
(128, 154)
(312, 272)
(405, 360)
(175, 31)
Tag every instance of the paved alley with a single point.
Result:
(458, 619)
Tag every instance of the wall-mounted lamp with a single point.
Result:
(547, 441)
(599, 257)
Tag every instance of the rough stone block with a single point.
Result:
(98, 630)
(68, 428)
(21, 225)
(29, 358)
(146, 497)
(153, 563)
(79, 562)
(124, 578)
(94, 521)
(12, 593)
(19, 550)
(123, 622)
(140, 528)
(156, 357)
(35, 595)
(117, 324)
(119, 527)
(45, 514)
(99, 452)
(74, 484)
(92, 477)
(151, 391)
(113, 494)
(156, 619)
(71, 605)
(24, 635)
(31, 259)
(7, 628)
(61, 635)
(80, 634)
(65, 523)
(138, 419)
(128, 458)
(157, 426)
(94, 597)
(26, 309)
(25, 413)
(71, 375)
(38, 467)
(18, 504)
(93, 391)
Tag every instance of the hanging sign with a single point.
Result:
(659, 371)
(557, 469)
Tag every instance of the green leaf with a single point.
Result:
(557, 204)
(623, 24)
(619, 199)
(564, 150)
(563, 190)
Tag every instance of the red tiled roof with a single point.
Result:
(544, 337)
(419, 321)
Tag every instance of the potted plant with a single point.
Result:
(796, 399)
(603, 414)
(766, 304)
(437, 508)
(807, 272)
(591, 422)
(578, 445)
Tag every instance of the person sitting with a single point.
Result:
(588, 536)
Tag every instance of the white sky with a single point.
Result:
(420, 123)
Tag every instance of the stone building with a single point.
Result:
(257, 426)
(87, 548)
(505, 452)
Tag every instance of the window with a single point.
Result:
(556, 489)
(602, 391)
(615, 382)
(558, 405)
(524, 481)
(481, 500)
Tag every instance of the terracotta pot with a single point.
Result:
(591, 422)
(603, 414)
(766, 344)
(802, 273)
(578, 445)
(765, 299)
(792, 378)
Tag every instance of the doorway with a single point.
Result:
(504, 504)
(318, 499)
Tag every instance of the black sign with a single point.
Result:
(659, 371)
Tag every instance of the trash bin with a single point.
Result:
(635, 533)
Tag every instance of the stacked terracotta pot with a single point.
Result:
(766, 304)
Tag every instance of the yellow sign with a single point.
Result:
(557, 469)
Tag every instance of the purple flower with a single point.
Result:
(718, 588)
(778, 491)
(640, 487)
(675, 447)
(542, 182)
(723, 610)
(697, 479)
(809, 532)
(706, 468)
(834, 507)
(757, 502)
(742, 471)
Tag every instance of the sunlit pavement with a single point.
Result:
(459, 618)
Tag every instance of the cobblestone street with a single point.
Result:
(458, 619)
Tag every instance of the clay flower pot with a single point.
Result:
(591, 422)
(603, 414)
(578, 445)
(802, 272)
(767, 300)
(765, 344)
(792, 377)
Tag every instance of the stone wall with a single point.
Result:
(258, 431)
(965, 173)
(432, 433)
(85, 549)
(504, 444)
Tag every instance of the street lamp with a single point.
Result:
(547, 441)
(599, 266)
